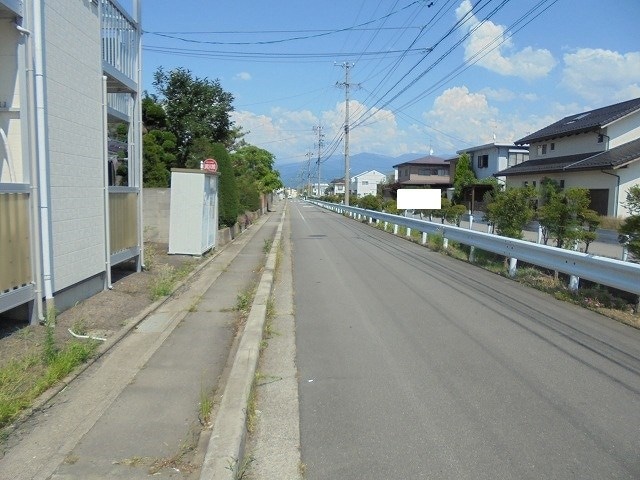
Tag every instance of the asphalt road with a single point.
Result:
(413, 365)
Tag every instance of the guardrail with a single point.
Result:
(610, 272)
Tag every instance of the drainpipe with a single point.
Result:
(36, 244)
(615, 205)
(42, 154)
(105, 186)
(137, 118)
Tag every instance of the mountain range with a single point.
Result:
(296, 174)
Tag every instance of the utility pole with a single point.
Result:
(309, 173)
(318, 130)
(346, 85)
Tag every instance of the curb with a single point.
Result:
(225, 451)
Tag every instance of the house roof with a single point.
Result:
(493, 145)
(592, 120)
(611, 159)
(369, 171)
(337, 181)
(428, 160)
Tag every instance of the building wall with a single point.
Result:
(73, 91)
(10, 104)
(624, 130)
(582, 143)
(372, 179)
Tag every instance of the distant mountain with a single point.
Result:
(295, 174)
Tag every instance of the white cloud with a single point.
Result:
(244, 76)
(468, 119)
(289, 134)
(602, 76)
(526, 63)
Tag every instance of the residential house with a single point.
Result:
(429, 171)
(598, 150)
(69, 71)
(491, 158)
(336, 186)
(319, 192)
(366, 183)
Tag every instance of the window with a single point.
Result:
(600, 138)
(539, 148)
(365, 182)
(423, 171)
(525, 183)
(561, 183)
(534, 184)
(483, 161)
(442, 172)
(544, 149)
(553, 146)
(516, 158)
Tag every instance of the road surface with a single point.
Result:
(414, 365)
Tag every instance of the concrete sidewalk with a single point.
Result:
(135, 411)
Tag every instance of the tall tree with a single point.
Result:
(463, 176)
(159, 145)
(254, 172)
(195, 108)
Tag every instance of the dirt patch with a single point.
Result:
(104, 314)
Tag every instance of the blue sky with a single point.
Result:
(435, 75)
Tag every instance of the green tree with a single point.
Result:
(510, 210)
(463, 176)
(158, 146)
(195, 108)
(255, 175)
(631, 225)
(561, 217)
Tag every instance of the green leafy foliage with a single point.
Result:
(195, 108)
(370, 202)
(510, 210)
(463, 175)
(563, 214)
(631, 225)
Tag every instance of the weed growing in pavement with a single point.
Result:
(239, 469)
(205, 407)
(243, 300)
(266, 247)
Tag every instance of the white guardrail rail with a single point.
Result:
(610, 272)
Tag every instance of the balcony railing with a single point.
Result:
(120, 37)
(15, 241)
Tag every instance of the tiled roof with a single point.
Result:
(428, 160)
(592, 120)
(611, 159)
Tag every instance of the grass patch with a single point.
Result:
(23, 380)
(167, 278)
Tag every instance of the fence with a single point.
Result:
(15, 241)
(610, 272)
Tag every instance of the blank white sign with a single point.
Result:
(419, 199)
